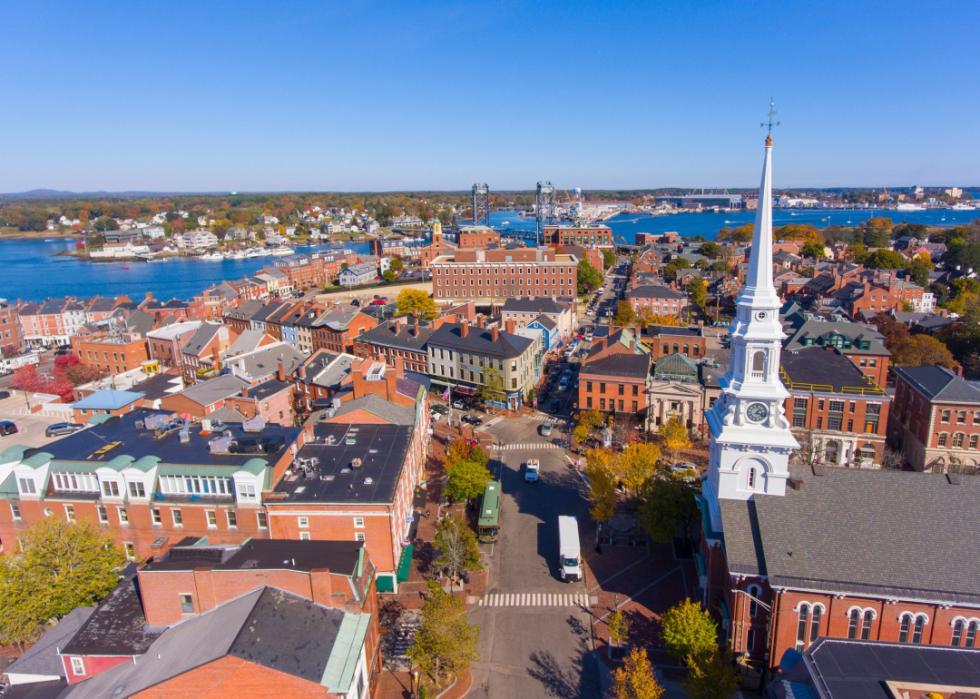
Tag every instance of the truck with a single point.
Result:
(569, 550)
(10, 364)
(532, 470)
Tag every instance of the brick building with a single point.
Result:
(524, 311)
(503, 273)
(935, 420)
(587, 236)
(477, 237)
(339, 326)
(614, 376)
(656, 299)
(397, 339)
(664, 340)
(111, 353)
(11, 338)
(164, 343)
(837, 413)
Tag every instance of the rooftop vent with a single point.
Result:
(356, 462)
(368, 481)
(350, 441)
(300, 489)
(327, 477)
(330, 439)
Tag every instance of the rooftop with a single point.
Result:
(107, 399)
(939, 384)
(42, 658)
(636, 366)
(825, 370)
(850, 530)
(479, 341)
(264, 554)
(347, 463)
(398, 335)
(213, 390)
(117, 626)
(536, 305)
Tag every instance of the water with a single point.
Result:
(30, 269)
(707, 224)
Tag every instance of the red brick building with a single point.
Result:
(935, 420)
(164, 344)
(11, 338)
(656, 299)
(503, 273)
(664, 340)
(615, 376)
(397, 340)
(111, 353)
(338, 327)
(586, 236)
(477, 237)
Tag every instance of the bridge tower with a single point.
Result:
(481, 204)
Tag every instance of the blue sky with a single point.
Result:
(378, 96)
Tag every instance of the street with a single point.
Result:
(535, 639)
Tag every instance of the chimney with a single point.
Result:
(510, 327)
(321, 587)
(281, 371)
(245, 392)
(495, 333)
(415, 329)
(464, 328)
(632, 344)
(357, 377)
(479, 321)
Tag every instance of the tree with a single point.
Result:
(666, 506)
(671, 268)
(624, 314)
(589, 278)
(389, 276)
(675, 436)
(61, 566)
(813, 250)
(492, 388)
(635, 679)
(619, 628)
(601, 475)
(885, 259)
(921, 350)
(445, 642)
(807, 453)
(697, 291)
(396, 265)
(457, 547)
(416, 303)
(608, 258)
(637, 464)
(581, 433)
(712, 676)
(592, 419)
(710, 249)
(688, 630)
(466, 480)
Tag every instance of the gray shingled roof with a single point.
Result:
(376, 405)
(895, 533)
(213, 390)
(398, 335)
(535, 305)
(636, 366)
(655, 291)
(940, 384)
(816, 330)
(42, 658)
(199, 340)
(479, 341)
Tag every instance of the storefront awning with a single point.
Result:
(405, 563)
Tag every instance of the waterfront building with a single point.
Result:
(477, 237)
(52, 322)
(11, 337)
(599, 236)
(497, 274)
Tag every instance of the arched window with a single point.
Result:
(957, 632)
(971, 633)
(756, 592)
(903, 629)
(869, 616)
(920, 622)
(804, 612)
(852, 623)
(815, 623)
(751, 477)
(759, 362)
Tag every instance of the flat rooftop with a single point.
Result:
(264, 554)
(347, 463)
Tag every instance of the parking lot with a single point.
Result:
(30, 426)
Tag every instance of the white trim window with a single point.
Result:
(212, 518)
(77, 665)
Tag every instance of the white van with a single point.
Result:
(569, 551)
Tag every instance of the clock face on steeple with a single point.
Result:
(757, 412)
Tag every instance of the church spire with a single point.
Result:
(759, 277)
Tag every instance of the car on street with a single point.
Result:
(58, 429)
(460, 404)
(685, 471)
(471, 420)
(7, 427)
(439, 409)
(532, 470)
(4, 394)
(545, 429)
(378, 302)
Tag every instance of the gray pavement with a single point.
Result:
(31, 426)
(536, 641)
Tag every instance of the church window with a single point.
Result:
(917, 629)
(758, 365)
(903, 630)
(755, 591)
(971, 634)
(852, 623)
(957, 632)
(751, 477)
(869, 616)
(815, 623)
(804, 614)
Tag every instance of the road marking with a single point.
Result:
(534, 599)
(528, 446)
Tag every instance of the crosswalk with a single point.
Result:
(527, 446)
(534, 599)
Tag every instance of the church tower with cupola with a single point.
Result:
(750, 437)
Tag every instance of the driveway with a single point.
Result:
(535, 639)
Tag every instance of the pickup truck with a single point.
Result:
(532, 469)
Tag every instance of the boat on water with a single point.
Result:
(963, 207)
(505, 223)
(213, 256)
(905, 206)
(281, 250)
(255, 252)
(236, 255)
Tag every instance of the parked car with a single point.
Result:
(441, 409)
(60, 428)
(545, 429)
(378, 302)
(460, 404)
(7, 427)
(436, 417)
(4, 394)
(472, 420)
(685, 471)
(532, 469)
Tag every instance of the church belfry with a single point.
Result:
(750, 437)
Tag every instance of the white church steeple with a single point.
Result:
(750, 438)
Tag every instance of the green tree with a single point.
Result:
(492, 388)
(637, 464)
(635, 678)
(608, 258)
(921, 350)
(885, 259)
(581, 433)
(812, 249)
(389, 276)
(396, 265)
(589, 278)
(675, 436)
(672, 267)
(624, 314)
(919, 272)
(697, 292)
(667, 506)
(601, 476)
(104, 223)
(688, 630)
(457, 547)
(710, 249)
(416, 303)
(591, 418)
(466, 480)
(445, 643)
(60, 567)
(618, 626)
(712, 676)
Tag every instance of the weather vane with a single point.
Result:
(772, 112)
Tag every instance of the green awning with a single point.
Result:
(405, 563)
(386, 583)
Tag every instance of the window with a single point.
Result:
(852, 623)
(103, 515)
(835, 415)
(804, 614)
(137, 489)
(303, 522)
(359, 523)
(27, 486)
(751, 477)
(246, 491)
(943, 439)
(232, 517)
(262, 520)
(84, 482)
(960, 417)
(130, 550)
(186, 603)
(958, 440)
(70, 513)
(871, 415)
(903, 630)
(212, 518)
(177, 517)
(196, 485)
(15, 510)
(77, 665)
(123, 516)
(110, 489)
(869, 617)
(917, 629)
(799, 411)
(815, 623)
(971, 633)
(304, 536)
(958, 626)
(359, 536)
(755, 591)
(944, 416)
(155, 516)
